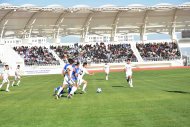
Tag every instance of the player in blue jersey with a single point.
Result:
(67, 74)
(74, 78)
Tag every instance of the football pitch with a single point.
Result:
(159, 98)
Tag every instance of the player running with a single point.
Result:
(82, 72)
(5, 75)
(75, 74)
(67, 73)
(56, 90)
(107, 70)
(17, 76)
(128, 70)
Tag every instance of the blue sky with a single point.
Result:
(95, 3)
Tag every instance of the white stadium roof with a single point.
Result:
(56, 20)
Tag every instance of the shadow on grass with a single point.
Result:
(176, 91)
(117, 86)
(79, 93)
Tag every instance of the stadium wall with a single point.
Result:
(42, 70)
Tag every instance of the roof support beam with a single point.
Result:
(173, 25)
(30, 32)
(86, 27)
(114, 26)
(143, 27)
(6, 16)
(2, 31)
(30, 24)
(31, 27)
(30, 19)
(60, 19)
(57, 25)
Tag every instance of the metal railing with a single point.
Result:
(99, 61)
(146, 59)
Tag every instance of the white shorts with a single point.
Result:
(5, 80)
(17, 77)
(68, 82)
(80, 81)
(128, 74)
(107, 72)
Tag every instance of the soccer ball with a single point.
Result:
(99, 90)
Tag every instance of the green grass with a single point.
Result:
(158, 99)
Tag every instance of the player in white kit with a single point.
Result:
(107, 70)
(82, 72)
(17, 76)
(5, 75)
(128, 70)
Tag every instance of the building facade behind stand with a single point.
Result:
(33, 41)
(106, 38)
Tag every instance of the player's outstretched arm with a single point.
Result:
(87, 72)
(124, 69)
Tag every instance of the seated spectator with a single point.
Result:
(159, 51)
(36, 55)
(97, 53)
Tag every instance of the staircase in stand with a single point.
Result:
(136, 52)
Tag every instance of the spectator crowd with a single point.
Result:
(159, 51)
(36, 55)
(97, 53)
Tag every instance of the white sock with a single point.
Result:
(74, 88)
(106, 77)
(8, 84)
(79, 82)
(18, 83)
(1, 85)
(84, 87)
(131, 83)
(59, 91)
(13, 83)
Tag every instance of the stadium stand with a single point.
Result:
(159, 51)
(36, 55)
(96, 53)
(65, 51)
